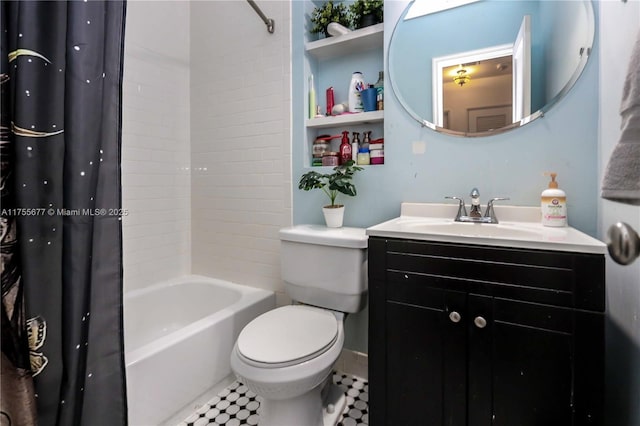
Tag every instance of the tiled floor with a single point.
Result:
(238, 406)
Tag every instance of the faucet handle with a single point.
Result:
(460, 200)
(497, 199)
(489, 211)
(462, 210)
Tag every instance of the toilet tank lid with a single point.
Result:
(322, 235)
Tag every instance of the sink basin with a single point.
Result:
(486, 230)
(520, 227)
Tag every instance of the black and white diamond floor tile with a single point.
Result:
(238, 406)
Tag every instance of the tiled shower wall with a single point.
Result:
(155, 143)
(240, 140)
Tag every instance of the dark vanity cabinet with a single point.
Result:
(480, 335)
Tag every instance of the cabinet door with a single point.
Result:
(520, 370)
(426, 359)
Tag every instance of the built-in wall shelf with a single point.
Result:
(329, 60)
(345, 120)
(356, 41)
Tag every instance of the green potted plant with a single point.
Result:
(366, 12)
(329, 12)
(339, 181)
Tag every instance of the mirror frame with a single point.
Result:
(585, 53)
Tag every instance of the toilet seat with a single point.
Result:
(286, 336)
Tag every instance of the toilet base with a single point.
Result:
(333, 404)
(321, 406)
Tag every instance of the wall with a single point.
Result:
(229, 107)
(424, 166)
(619, 25)
(240, 141)
(510, 164)
(155, 143)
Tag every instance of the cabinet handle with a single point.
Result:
(480, 322)
(454, 316)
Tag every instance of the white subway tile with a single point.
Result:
(206, 147)
(155, 146)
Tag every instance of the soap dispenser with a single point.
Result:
(345, 148)
(355, 146)
(367, 139)
(553, 204)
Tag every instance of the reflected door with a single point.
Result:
(522, 71)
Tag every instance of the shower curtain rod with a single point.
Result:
(270, 23)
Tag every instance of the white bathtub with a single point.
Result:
(178, 338)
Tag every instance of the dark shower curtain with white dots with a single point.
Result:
(61, 230)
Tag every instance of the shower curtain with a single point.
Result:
(61, 234)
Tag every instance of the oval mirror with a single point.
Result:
(478, 67)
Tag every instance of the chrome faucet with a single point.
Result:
(475, 213)
(475, 203)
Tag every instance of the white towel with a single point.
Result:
(621, 181)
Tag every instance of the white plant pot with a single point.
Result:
(333, 216)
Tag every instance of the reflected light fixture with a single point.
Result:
(462, 77)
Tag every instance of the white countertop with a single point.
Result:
(518, 227)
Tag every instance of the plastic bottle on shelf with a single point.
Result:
(379, 85)
(367, 139)
(355, 144)
(330, 100)
(364, 157)
(355, 87)
(312, 98)
(345, 148)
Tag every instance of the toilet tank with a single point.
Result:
(325, 267)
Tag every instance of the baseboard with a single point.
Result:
(353, 362)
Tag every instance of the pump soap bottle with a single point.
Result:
(355, 144)
(345, 148)
(553, 203)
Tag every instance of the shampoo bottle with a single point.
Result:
(553, 203)
(355, 87)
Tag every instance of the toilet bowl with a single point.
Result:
(286, 355)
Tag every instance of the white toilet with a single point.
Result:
(286, 355)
